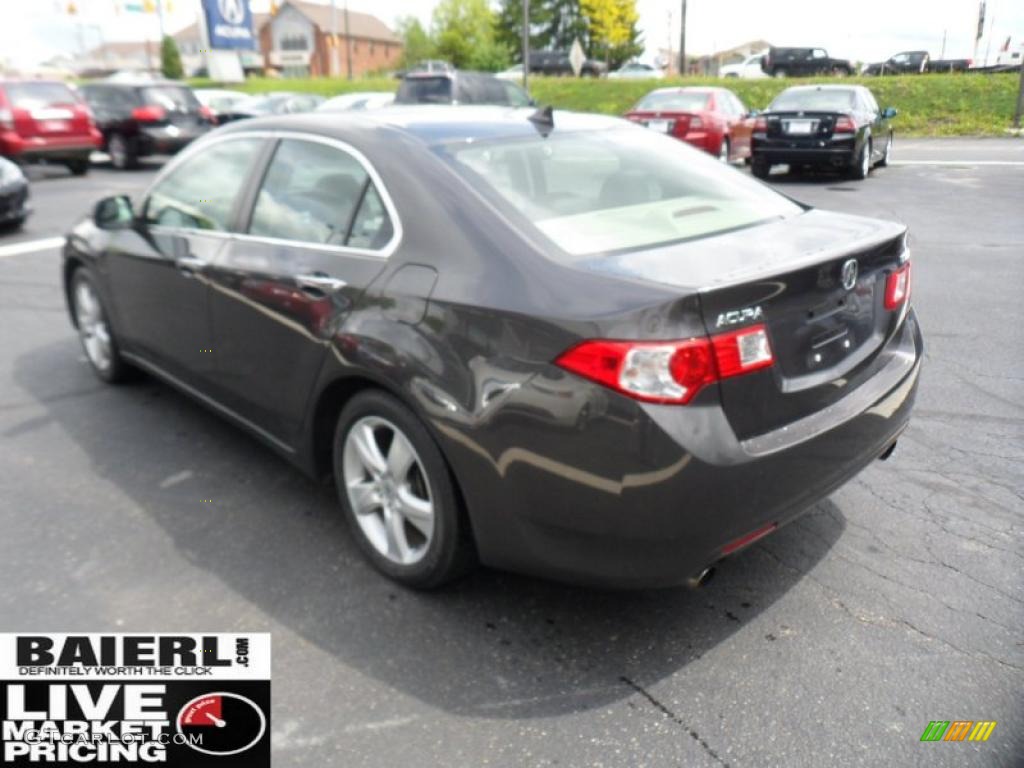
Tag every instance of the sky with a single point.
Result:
(32, 31)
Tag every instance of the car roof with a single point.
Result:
(432, 124)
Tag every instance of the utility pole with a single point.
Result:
(682, 41)
(526, 42)
(1020, 100)
(348, 45)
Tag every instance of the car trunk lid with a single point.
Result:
(677, 123)
(805, 127)
(816, 281)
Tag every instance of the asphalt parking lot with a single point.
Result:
(898, 601)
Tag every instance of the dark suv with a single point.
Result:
(146, 118)
(458, 87)
(794, 62)
(557, 63)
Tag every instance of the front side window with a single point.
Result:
(607, 190)
(200, 193)
(316, 193)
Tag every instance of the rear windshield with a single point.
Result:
(425, 90)
(171, 97)
(813, 101)
(597, 191)
(35, 95)
(683, 101)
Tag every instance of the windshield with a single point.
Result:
(680, 101)
(425, 90)
(171, 98)
(41, 94)
(597, 191)
(813, 100)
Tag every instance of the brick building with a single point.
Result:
(298, 40)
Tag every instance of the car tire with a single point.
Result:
(94, 330)
(760, 168)
(862, 164)
(398, 493)
(723, 150)
(887, 155)
(13, 225)
(123, 152)
(79, 166)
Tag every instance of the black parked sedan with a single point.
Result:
(14, 208)
(833, 126)
(554, 343)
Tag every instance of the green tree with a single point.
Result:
(170, 59)
(464, 33)
(613, 29)
(416, 42)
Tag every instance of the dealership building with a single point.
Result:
(308, 39)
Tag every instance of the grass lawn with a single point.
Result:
(955, 104)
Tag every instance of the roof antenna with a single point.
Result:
(543, 120)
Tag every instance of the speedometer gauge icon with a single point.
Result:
(221, 723)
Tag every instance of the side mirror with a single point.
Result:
(890, 112)
(113, 212)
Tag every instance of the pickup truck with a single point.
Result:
(915, 62)
(791, 62)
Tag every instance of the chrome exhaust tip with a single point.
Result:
(701, 578)
(888, 451)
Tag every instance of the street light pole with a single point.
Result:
(682, 40)
(526, 41)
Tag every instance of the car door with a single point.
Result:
(318, 232)
(157, 269)
(879, 125)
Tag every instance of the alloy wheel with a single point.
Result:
(866, 160)
(388, 489)
(723, 151)
(118, 150)
(92, 326)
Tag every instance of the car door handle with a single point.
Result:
(189, 265)
(320, 282)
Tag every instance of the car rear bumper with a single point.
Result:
(168, 139)
(671, 488)
(835, 153)
(78, 147)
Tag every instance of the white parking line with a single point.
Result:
(32, 245)
(957, 162)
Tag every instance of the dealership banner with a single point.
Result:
(229, 24)
(180, 700)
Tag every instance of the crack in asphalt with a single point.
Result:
(674, 718)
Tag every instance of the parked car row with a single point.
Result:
(835, 126)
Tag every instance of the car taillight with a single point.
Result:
(761, 124)
(897, 287)
(671, 371)
(149, 114)
(6, 119)
(845, 125)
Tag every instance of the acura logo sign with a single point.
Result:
(232, 11)
(848, 275)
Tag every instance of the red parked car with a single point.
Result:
(712, 119)
(46, 119)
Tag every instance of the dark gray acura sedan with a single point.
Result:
(552, 343)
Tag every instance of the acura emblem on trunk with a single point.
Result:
(849, 274)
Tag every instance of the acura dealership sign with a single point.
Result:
(229, 23)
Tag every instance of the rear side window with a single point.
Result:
(38, 95)
(425, 90)
(316, 193)
(201, 192)
(171, 98)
